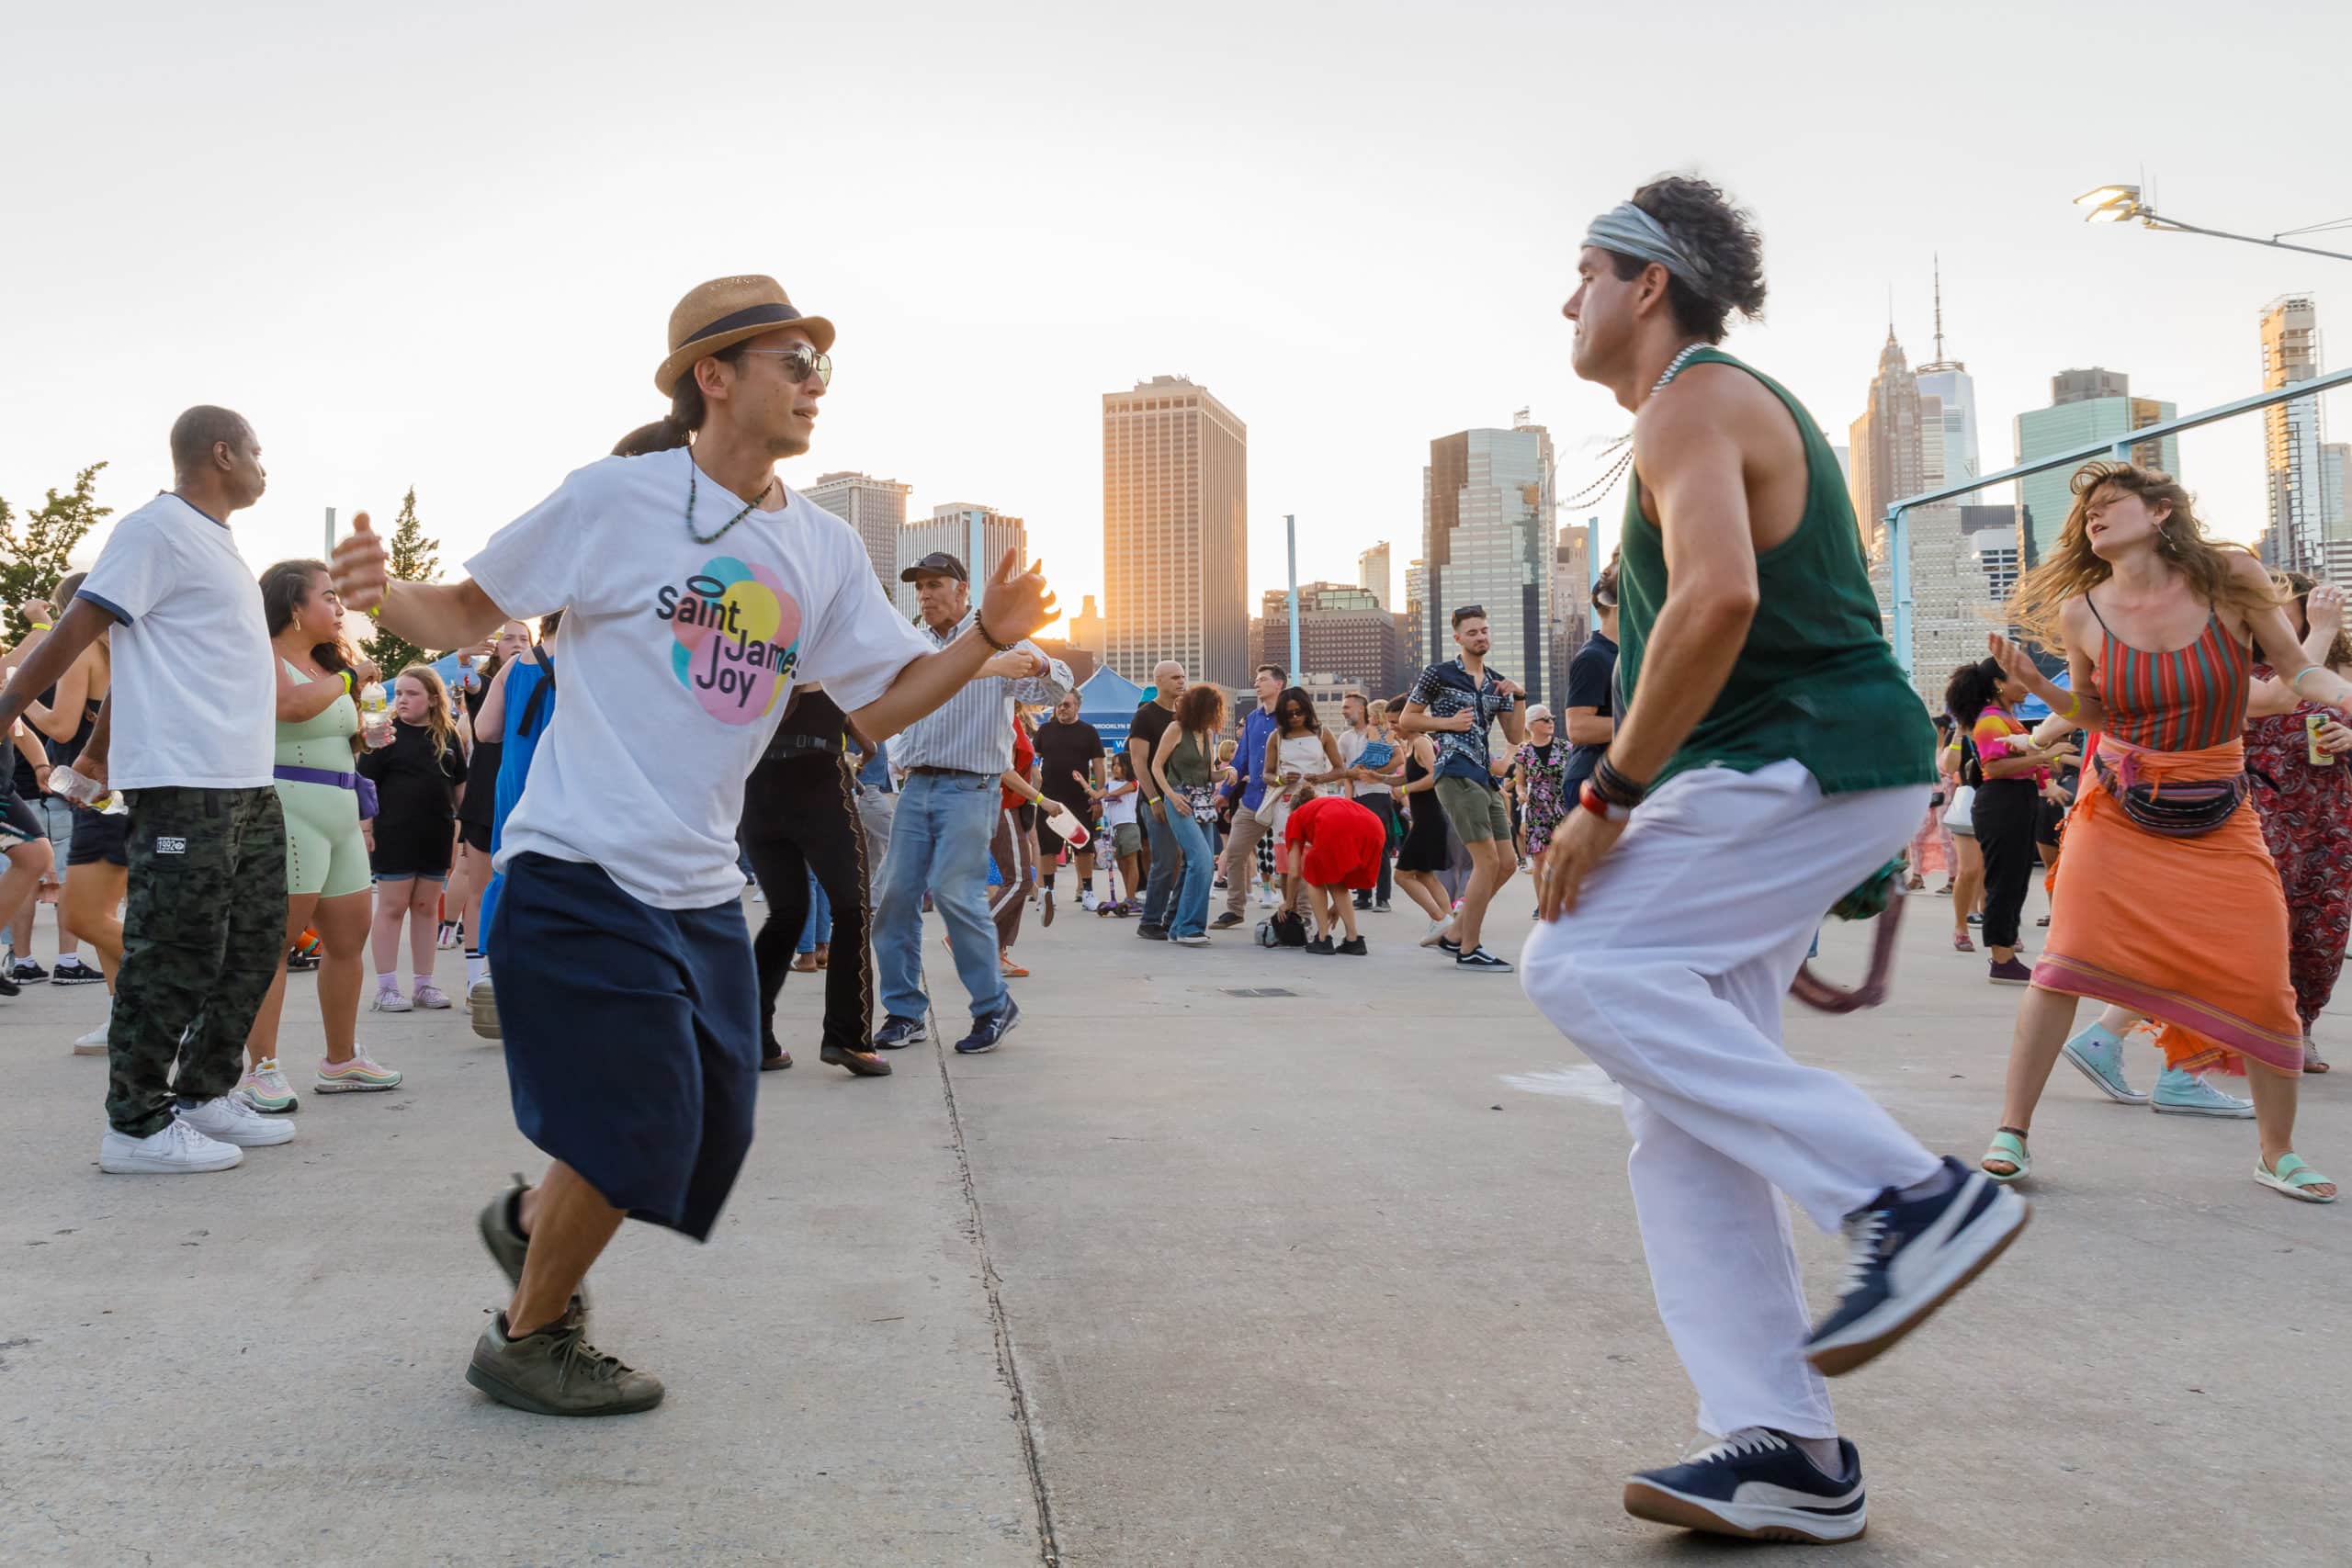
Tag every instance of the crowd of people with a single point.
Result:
(1735, 753)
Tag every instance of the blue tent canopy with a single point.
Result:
(1108, 700)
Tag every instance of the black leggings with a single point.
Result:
(1384, 806)
(2006, 813)
(800, 815)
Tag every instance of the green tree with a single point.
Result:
(416, 558)
(32, 558)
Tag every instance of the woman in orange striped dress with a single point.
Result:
(2157, 622)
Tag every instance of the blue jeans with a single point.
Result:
(939, 840)
(1159, 890)
(1188, 838)
(818, 926)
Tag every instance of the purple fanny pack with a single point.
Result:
(363, 787)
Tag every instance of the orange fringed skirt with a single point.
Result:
(2190, 933)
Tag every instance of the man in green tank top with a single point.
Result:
(1768, 755)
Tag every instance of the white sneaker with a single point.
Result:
(1439, 930)
(232, 1120)
(388, 999)
(94, 1042)
(1086, 898)
(1265, 896)
(179, 1150)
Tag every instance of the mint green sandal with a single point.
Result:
(2008, 1148)
(2293, 1178)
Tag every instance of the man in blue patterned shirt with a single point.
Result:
(1457, 703)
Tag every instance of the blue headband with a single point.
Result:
(1630, 232)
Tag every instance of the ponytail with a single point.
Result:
(663, 434)
(688, 411)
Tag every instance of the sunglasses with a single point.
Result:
(800, 362)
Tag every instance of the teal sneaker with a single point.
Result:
(2098, 1053)
(2186, 1094)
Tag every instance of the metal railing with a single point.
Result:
(2119, 448)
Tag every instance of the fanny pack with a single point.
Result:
(2179, 810)
(363, 787)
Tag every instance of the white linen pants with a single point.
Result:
(1670, 975)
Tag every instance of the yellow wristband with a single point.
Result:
(346, 679)
(40, 626)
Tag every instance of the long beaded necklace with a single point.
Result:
(694, 474)
(1623, 445)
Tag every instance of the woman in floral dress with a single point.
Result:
(2307, 818)
(1541, 759)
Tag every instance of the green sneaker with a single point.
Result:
(507, 1243)
(557, 1372)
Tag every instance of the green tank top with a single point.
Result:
(1817, 680)
(321, 740)
(1187, 764)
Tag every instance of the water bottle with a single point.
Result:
(1065, 823)
(375, 716)
(88, 793)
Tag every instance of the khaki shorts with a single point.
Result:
(1475, 811)
(1126, 838)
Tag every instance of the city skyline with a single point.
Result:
(376, 265)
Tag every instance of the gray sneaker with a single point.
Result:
(507, 1243)
(557, 1372)
(481, 1001)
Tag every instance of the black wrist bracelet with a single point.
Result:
(1615, 787)
(982, 626)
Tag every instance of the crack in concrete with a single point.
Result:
(1007, 1366)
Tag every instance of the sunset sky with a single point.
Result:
(437, 245)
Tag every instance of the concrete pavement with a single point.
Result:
(1344, 1276)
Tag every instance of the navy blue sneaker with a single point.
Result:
(1904, 1260)
(897, 1033)
(1758, 1485)
(1150, 933)
(987, 1032)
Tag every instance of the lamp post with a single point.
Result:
(2121, 203)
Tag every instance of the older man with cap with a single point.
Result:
(697, 592)
(1770, 757)
(946, 813)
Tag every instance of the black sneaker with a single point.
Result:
(1321, 947)
(987, 1031)
(1354, 948)
(1479, 958)
(10, 987)
(1226, 921)
(863, 1064)
(1150, 933)
(1446, 944)
(1381, 907)
(26, 972)
(74, 972)
(1758, 1485)
(557, 1372)
(1904, 1260)
(299, 962)
(1363, 900)
(2008, 971)
(897, 1033)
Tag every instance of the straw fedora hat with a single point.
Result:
(723, 312)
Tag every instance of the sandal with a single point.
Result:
(2010, 1149)
(2311, 1062)
(1960, 943)
(2293, 1178)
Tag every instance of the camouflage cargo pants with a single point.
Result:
(202, 932)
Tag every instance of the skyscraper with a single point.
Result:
(1417, 599)
(2336, 481)
(1175, 532)
(1572, 571)
(1085, 629)
(2302, 522)
(2084, 406)
(1373, 572)
(876, 508)
(949, 529)
(1948, 382)
(1890, 442)
(1487, 540)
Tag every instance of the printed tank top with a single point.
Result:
(2188, 700)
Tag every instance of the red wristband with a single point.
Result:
(1590, 799)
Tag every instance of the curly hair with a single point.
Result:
(1971, 689)
(1201, 709)
(1720, 237)
(2074, 569)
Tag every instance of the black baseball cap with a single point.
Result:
(939, 563)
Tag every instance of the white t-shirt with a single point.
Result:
(1119, 809)
(1352, 746)
(195, 690)
(675, 661)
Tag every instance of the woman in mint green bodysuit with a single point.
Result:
(327, 882)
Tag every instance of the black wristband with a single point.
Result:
(982, 626)
(1615, 787)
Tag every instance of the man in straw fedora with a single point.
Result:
(697, 589)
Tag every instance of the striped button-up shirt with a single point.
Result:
(972, 731)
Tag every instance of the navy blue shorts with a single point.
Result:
(632, 1037)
